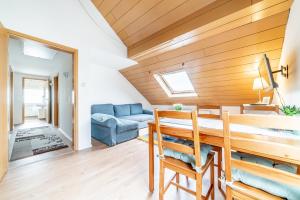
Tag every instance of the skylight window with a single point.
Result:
(176, 84)
(37, 50)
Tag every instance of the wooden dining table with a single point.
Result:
(211, 134)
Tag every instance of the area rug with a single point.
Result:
(34, 141)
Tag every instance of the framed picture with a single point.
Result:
(266, 100)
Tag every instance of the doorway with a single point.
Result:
(37, 72)
(35, 103)
(43, 111)
(38, 111)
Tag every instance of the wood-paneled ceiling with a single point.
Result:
(218, 42)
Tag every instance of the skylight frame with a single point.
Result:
(169, 90)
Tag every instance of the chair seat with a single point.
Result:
(270, 186)
(247, 191)
(186, 168)
(187, 158)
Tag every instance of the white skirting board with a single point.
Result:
(65, 134)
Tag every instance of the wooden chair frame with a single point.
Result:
(284, 150)
(210, 107)
(274, 108)
(179, 167)
(216, 149)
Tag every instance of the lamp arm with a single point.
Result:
(284, 71)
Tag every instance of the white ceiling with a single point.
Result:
(33, 65)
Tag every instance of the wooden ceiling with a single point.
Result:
(219, 43)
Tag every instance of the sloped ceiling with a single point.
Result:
(219, 43)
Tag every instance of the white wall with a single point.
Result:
(290, 88)
(65, 87)
(109, 86)
(67, 23)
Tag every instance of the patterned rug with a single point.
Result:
(35, 141)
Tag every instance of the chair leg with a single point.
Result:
(228, 193)
(198, 186)
(212, 180)
(161, 181)
(177, 180)
(219, 167)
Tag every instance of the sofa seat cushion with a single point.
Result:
(136, 109)
(276, 188)
(187, 158)
(126, 125)
(122, 110)
(138, 118)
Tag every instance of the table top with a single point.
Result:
(217, 125)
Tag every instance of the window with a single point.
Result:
(176, 84)
(33, 96)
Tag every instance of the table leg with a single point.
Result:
(151, 159)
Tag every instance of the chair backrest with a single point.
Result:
(267, 108)
(179, 133)
(286, 150)
(210, 115)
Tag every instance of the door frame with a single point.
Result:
(4, 118)
(55, 101)
(11, 99)
(74, 52)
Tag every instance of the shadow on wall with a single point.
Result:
(290, 84)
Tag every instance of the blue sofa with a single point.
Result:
(114, 124)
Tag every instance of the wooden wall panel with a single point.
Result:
(222, 67)
(134, 20)
(218, 42)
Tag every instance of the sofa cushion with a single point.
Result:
(122, 110)
(136, 109)
(103, 108)
(138, 118)
(126, 125)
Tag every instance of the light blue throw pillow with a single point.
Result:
(100, 117)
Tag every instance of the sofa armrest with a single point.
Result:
(109, 123)
(149, 112)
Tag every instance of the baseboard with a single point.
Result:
(11, 143)
(65, 134)
(85, 147)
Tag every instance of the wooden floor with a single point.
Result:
(116, 173)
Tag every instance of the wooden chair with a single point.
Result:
(210, 107)
(218, 150)
(267, 108)
(285, 150)
(180, 167)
